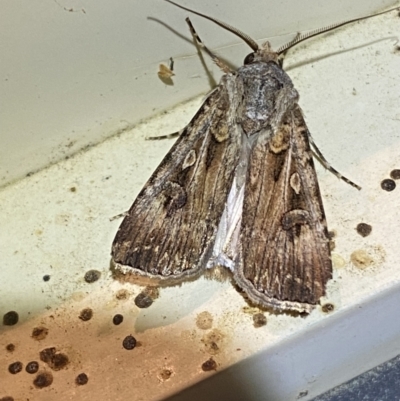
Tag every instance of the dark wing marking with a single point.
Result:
(170, 229)
(285, 256)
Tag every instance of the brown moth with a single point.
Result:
(166, 73)
(238, 189)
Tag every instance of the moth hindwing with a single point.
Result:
(238, 189)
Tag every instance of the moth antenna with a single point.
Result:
(302, 37)
(252, 43)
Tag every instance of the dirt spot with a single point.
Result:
(204, 320)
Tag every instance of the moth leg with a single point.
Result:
(225, 68)
(156, 138)
(326, 164)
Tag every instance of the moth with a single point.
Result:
(165, 72)
(238, 189)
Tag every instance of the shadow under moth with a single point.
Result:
(238, 189)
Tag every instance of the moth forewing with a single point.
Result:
(285, 258)
(170, 230)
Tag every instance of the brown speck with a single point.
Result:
(46, 277)
(7, 398)
(388, 185)
(147, 297)
(43, 379)
(10, 318)
(332, 234)
(302, 394)
(364, 229)
(129, 342)
(328, 307)
(32, 367)
(204, 320)
(122, 294)
(73, 189)
(56, 360)
(39, 333)
(212, 341)
(209, 365)
(10, 347)
(118, 319)
(143, 300)
(395, 174)
(92, 275)
(259, 320)
(86, 314)
(361, 259)
(15, 367)
(81, 379)
(165, 374)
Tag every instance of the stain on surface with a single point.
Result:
(55, 360)
(43, 379)
(259, 320)
(204, 320)
(39, 333)
(209, 365)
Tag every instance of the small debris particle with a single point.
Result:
(81, 379)
(129, 342)
(143, 300)
(73, 189)
(302, 394)
(209, 365)
(92, 275)
(364, 229)
(32, 367)
(361, 259)
(147, 297)
(15, 367)
(204, 320)
(10, 318)
(259, 320)
(328, 307)
(332, 234)
(165, 375)
(39, 333)
(395, 174)
(388, 185)
(7, 398)
(10, 347)
(212, 341)
(86, 314)
(122, 294)
(43, 379)
(46, 277)
(118, 319)
(55, 360)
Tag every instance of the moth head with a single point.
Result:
(263, 54)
